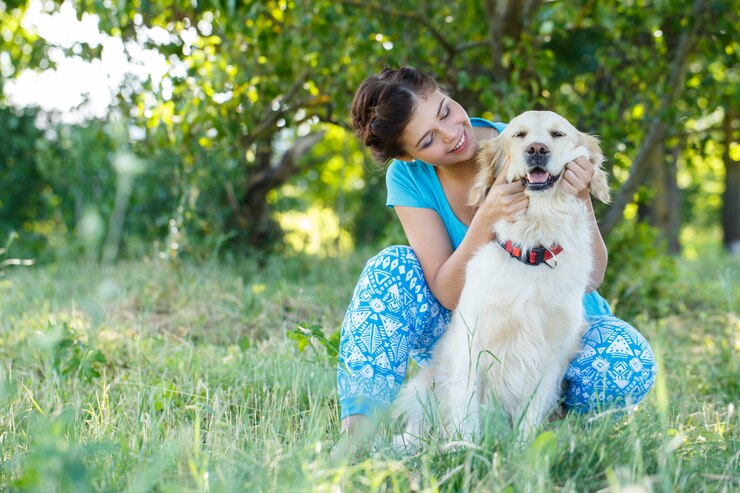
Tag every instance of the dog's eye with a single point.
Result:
(520, 134)
(556, 133)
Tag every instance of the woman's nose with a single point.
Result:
(448, 134)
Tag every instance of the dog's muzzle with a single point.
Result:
(539, 179)
(537, 156)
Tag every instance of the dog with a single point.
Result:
(520, 320)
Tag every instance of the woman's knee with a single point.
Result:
(391, 257)
(615, 367)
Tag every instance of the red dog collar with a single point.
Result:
(535, 256)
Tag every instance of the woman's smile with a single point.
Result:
(460, 146)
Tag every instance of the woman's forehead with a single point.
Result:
(426, 107)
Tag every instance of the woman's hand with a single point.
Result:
(577, 177)
(505, 200)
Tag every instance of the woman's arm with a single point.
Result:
(576, 181)
(444, 269)
(598, 247)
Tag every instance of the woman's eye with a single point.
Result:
(427, 143)
(447, 112)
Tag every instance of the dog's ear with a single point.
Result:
(599, 182)
(491, 155)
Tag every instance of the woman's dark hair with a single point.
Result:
(382, 108)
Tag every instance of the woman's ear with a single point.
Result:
(599, 182)
(491, 154)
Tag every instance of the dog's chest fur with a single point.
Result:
(496, 280)
(521, 313)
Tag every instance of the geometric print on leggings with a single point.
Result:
(615, 366)
(392, 315)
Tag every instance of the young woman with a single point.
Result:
(403, 300)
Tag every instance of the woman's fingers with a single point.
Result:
(519, 205)
(577, 176)
(512, 188)
(501, 177)
(515, 201)
(505, 200)
(582, 165)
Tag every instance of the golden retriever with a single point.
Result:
(520, 318)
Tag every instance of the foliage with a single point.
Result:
(5, 261)
(304, 335)
(72, 355)
(246, 81)
(641, 276)
(56, 462)
(25, 195)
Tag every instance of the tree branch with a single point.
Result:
(496, 13)
(268, 123)
(438, 36)
(658, 125)
(273, 177)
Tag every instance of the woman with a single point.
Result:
(402, 303)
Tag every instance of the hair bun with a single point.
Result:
(383, 106)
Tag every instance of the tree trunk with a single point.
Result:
(671, 205)
(506, 18)
(731, 195)
(252, 213)
(652, 180)
(254, 202)
(663, 209)
(667, 208)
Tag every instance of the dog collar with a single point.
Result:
(535, 256)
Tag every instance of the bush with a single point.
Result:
(642, 275)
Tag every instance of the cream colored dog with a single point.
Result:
(520, 317)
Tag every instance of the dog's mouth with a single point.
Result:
(538, 179)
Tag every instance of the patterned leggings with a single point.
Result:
(393, 315)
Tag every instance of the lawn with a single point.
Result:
(175, 376)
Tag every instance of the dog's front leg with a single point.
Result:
(463, 405)
(544, 400)
(417, 404)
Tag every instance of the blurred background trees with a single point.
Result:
(230, 124)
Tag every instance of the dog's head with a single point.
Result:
(537, 145)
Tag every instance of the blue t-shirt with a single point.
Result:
(415, 184)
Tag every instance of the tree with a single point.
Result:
(731, 196)
(251, 86)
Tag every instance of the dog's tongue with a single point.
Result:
(537, 176)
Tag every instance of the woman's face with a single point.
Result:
(439, 132)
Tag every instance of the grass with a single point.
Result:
(162, 376)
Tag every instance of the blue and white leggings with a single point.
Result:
(393, 315)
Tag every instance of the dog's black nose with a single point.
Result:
(537, 149)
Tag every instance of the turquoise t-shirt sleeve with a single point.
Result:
(594, 305)
(403, 189)
(482, 122)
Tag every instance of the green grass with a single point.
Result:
(159, 376)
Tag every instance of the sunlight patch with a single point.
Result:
(315, 231)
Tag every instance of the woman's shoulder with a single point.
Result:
(410, 184)
(482, 122)
(416, 168)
